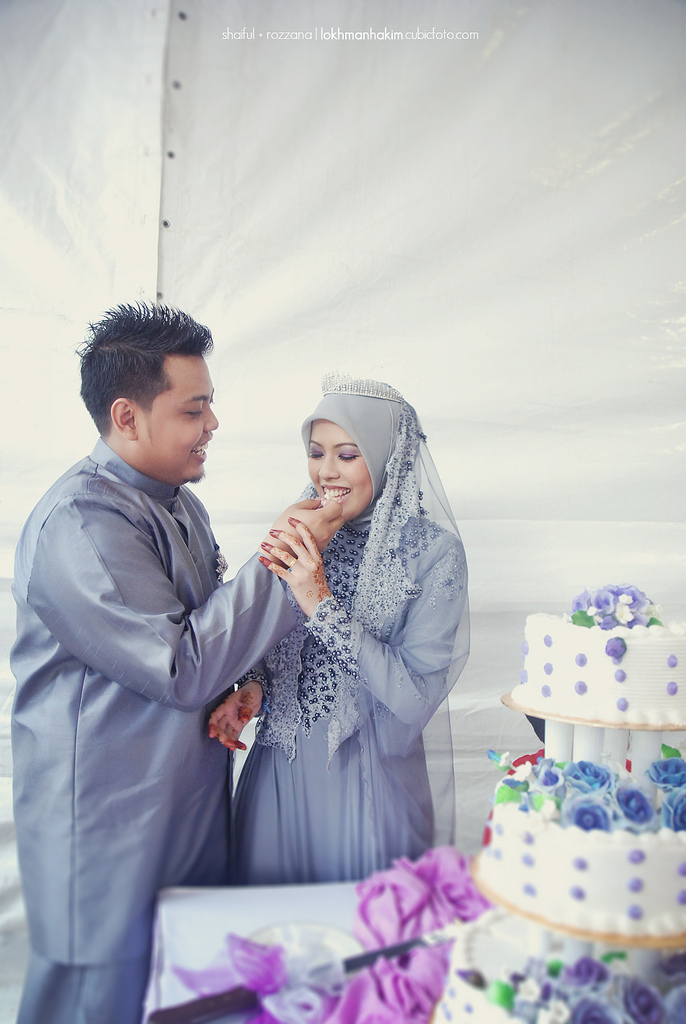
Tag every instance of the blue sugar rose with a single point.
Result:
(636, 813)
(588, 777)
(674, 810)
(669, 773)
(591, 1011)
(587, 811)
(642, 1002)
(548, 778)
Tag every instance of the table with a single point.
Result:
(191, 923)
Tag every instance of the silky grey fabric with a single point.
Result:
(124, 636)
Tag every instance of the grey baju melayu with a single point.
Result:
(125, 634)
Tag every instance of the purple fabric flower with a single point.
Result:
(392, 991)
(586, 973)
(587, 811)
(642, 1002)
(616, 647)
(668, 774)
(636, 811)
(588, 777)
(591, 1011)
(675, 1005)
(674, 810)
(411, 899)
(262, 969)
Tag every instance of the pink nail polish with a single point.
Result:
(275, 533)
(293, 522)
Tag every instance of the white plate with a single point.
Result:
(317, 944)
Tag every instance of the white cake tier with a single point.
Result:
(615, 886)
(567, 672)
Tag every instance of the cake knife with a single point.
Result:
(238, 1000)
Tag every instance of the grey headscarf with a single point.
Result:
(372, 423)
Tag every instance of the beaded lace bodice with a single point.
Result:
(317, 682)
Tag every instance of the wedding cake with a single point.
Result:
(610, 660)
(590, 853)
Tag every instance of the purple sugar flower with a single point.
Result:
(591, 1011)
(586, 973)
(582, 602)
(616, 647)
(642, 1002)
(675, 1005)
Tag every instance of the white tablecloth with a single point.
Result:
(191, 925)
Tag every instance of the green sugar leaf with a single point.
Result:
(582, 618)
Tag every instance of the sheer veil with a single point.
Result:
(408, 524)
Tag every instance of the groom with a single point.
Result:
(125, 635)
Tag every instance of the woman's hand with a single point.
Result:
(227, 720)
(323, 522)
(305, 570)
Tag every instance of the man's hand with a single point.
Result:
(323, 523)
(228, 720)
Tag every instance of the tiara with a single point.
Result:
(343, 384)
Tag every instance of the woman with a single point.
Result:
(336, 785)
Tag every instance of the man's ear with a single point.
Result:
(123, 416)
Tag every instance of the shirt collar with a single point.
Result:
(113, 463)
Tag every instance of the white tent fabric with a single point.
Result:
(493, 223)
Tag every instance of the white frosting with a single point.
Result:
(615, 883)
(493, 946)
(567, 673)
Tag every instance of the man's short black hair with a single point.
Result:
(123, 355)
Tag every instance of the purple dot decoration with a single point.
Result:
(636, 856)
(682, 897)
(528, 861)
(498, 854)
(546, 691)
(529, 890)
(548, 668)
(580, 863)
(620, 675)
(524, 647)
(577, 893)
(635, 884)
(523, 676)
(672, 689)
(499, 829)
(581, 660)
(580, 687)
(622, 704)
(528, 838)
(635, 912)
(682, 870)
(548, 640)
(672, 661)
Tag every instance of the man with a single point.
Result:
(125, 634)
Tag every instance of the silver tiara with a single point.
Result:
(343, 384)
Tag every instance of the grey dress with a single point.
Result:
(336, 785)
